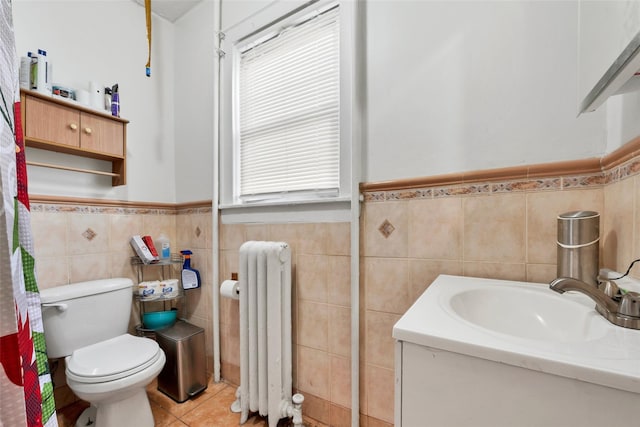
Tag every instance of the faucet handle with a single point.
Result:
(630, 304)
(610, 288)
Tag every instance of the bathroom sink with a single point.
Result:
(525, 325)
(527, 313)
(506, 349)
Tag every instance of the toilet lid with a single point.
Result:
(112, 359)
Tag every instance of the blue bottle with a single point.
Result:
(115, 101)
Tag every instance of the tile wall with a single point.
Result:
(76, 242)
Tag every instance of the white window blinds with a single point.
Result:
(289, 110)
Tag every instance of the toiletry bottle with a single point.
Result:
(33, 77)
(115, 101)
(41, 85)
(96, 96)
(25, 72)
(48, 83)
(107, 98)
(164, 247)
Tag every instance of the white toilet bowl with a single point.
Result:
(112, 375)
(86, 323)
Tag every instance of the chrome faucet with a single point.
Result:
(622, 309)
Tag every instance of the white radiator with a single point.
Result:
(265, 333)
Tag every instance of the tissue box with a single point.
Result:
(142, 250)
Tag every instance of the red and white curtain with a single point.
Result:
(26, 390)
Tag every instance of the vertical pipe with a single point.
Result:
(355, 305)
(215, 229)
(357, 105)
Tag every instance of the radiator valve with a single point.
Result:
(294, 410)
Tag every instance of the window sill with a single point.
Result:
(317, 210)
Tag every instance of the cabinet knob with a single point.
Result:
(87, 131)
(73, 126)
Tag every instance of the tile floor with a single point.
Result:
(209, 409)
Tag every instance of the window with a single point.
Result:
(289, 109)
(285, 137)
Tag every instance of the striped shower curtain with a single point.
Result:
(26, 391)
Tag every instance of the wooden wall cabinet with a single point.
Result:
(63, 127)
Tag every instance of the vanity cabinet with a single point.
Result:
(63, 127)
(473, 352)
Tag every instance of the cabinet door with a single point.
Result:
(50, 122)
(101, 134)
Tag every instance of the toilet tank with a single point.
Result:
(84, 313)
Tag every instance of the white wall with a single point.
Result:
(450, 87)
(195, 76)
(622, 119)
(236, 11)
(457, 86)
(106, 42)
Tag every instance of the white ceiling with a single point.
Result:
(170, 9)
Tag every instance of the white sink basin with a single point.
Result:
(536, 314)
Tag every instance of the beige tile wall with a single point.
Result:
(194, 232)
(505, 236)
(76, 243)
(493, 234)
(621, 225)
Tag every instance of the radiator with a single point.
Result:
(265, 334)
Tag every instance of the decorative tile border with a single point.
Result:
(52, 204)
(191, 211)
(584, 181)
(86, 209)
(579, 174)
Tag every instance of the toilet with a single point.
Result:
(86, 323)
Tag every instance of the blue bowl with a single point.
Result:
(159, 319)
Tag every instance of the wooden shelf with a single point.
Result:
(62, 126)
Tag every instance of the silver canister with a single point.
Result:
(578, 245)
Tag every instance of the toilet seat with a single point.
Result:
(112, 359)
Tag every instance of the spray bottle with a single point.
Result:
(190, 276)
